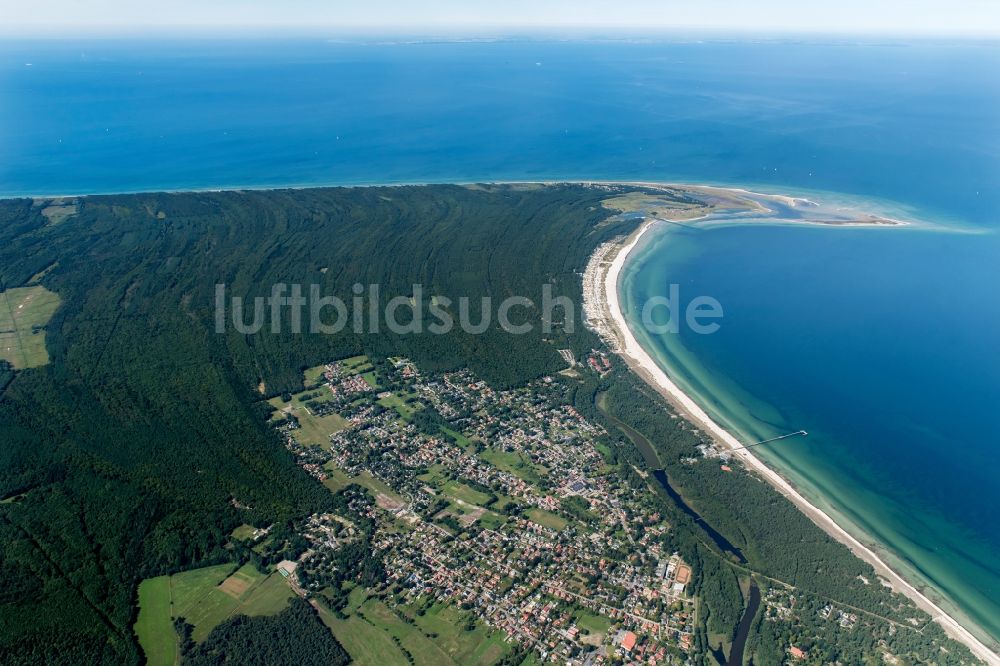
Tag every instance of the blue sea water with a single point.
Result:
(882, 343)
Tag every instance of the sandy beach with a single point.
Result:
(604, 312)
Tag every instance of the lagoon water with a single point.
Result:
(882, 343)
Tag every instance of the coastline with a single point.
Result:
(643, 365)
(601, 289)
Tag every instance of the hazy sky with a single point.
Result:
(880, 16)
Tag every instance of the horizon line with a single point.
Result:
(470, 31)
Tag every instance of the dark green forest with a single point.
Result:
(143, 443)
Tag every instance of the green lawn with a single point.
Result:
(532, 660)
(398, 403)
(349, 366)
(324, 396)
(503, 502)
(423, 649)
(246, 592)
(459, 438)
(313, 430)
(188, 588)
(337, 479)
(316, 430)
(492, 521)
(434, 475)
(595, 624)
(163, 598)
(371, 379)
(355, 364)
(514, 462)
(545, 518)
(313, 376)
(463, 492)
(368, 481)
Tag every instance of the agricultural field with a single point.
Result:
(204, 598)
(24, 313)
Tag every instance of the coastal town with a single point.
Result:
(500, 503)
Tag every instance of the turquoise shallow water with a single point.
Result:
(881, 343)
(879, 348)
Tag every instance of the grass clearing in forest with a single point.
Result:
(316, 430)
(154, 626)
(24, 313)
(244, 532)
(313, 430)
(205, 598)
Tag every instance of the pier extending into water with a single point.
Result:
(797, 433)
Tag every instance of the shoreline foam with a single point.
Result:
(605, 310)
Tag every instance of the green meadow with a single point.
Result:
(205, 598)
(24, 313)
